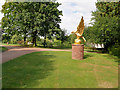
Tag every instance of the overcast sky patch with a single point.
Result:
(73, 10)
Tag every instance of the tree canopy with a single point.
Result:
(105, 29)
(31, 19)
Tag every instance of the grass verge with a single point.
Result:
(2, 49)
(56, 69)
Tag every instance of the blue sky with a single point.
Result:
(72, 10)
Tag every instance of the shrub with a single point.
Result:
(57, 43)
(4, 41)
(114, 50)
(20, 42)
(49, 44)
(67, 44)
(15, 39)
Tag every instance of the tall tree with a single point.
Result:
(32, 18)
(105, 27)
(8, 21)
(51, 20)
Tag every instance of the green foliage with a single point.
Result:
(5, 38)
(57, 43)
(105, 29)
(108, 8)
(3, 49)
(115, 50)
(4, 41)
(40, 42)
(72, 38)
(67, 44)
(31, 19)
(49, 43)
(15, 39)
(21, 42)
(63, 36)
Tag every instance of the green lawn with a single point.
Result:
(9, 44)
(3, 49)
(55, 69)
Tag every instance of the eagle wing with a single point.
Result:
(80, 27)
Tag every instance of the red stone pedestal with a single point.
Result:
(77, 51)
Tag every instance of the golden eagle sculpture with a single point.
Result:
(79, 32)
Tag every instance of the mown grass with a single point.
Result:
(56, 69)
(9, 44)
(2, 49)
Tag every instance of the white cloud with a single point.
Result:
(73, 10)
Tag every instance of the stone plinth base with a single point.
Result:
(78, 51)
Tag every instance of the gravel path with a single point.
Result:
(16, 51)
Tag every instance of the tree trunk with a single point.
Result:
(24, 40)
(34, 38)
(45, 41)
(35, 41)
(32, 41)
(61, 43)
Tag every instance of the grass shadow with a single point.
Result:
(3, 49)
(118, 60)
(115, 57)
(28, 70)
(96, 50)
(87, 56)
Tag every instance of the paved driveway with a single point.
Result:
(16, 51)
